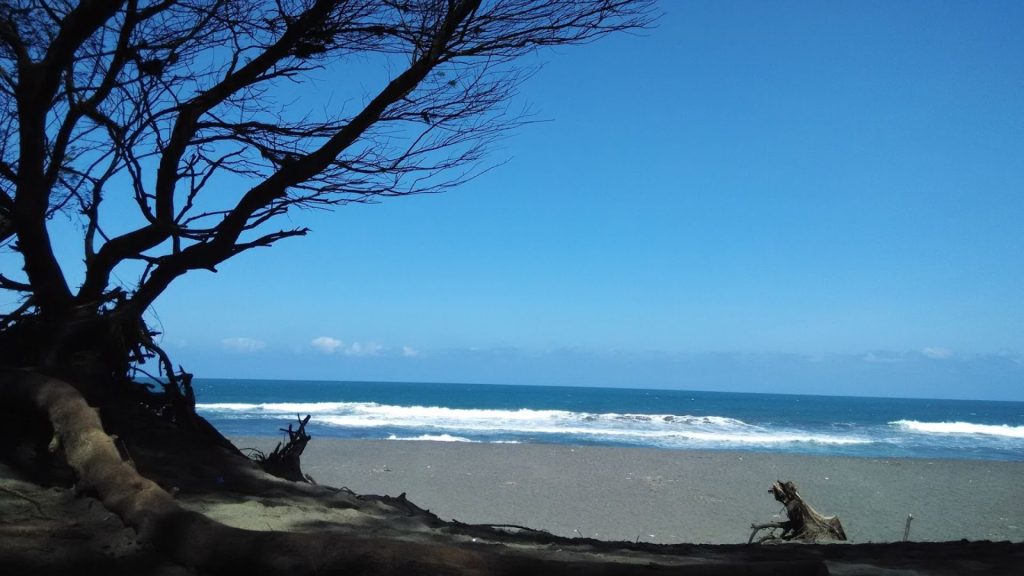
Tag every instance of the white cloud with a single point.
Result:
(410, 352)
(937, 353)
(326, 344)
(357, 349)
(884, 357)
(242, 344)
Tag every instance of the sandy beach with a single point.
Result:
(667, 496)
(646, 497)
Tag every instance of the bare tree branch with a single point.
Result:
(198, 111)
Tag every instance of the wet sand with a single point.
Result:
(664, 496)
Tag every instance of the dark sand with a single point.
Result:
(604, 493)
(665, 496)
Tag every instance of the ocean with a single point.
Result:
(664, 419)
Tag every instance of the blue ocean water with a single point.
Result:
(667, 419)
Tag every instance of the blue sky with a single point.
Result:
(764, 196)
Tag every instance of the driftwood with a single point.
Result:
(284, 461)
(804, 524)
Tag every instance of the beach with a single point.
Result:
(701, 501)
(672, 496)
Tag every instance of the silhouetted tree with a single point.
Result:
(184, 109)
(196, 116)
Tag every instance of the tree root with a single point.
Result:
(285, 460)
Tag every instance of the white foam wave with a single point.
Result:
(667, 430)
(754, 436)
(960, 428)
(432, 438)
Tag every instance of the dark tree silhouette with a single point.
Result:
(186, 110)
(196, 114)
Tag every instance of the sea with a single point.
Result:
(660, 419)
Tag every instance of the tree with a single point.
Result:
(185, 110)
(181, 107)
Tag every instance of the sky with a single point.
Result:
(797, 197)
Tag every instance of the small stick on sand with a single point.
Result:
(906, 529)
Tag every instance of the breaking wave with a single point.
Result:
(495, 425)
(432, 438)
(960, 428)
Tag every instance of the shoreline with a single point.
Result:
(673, 496)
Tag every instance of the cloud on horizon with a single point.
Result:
(242, 344)
(329, 345)
(908, 373)
(359, 349)
(937, 353)
(326, 344)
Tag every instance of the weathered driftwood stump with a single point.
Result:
(805, 523)
(284, 461)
